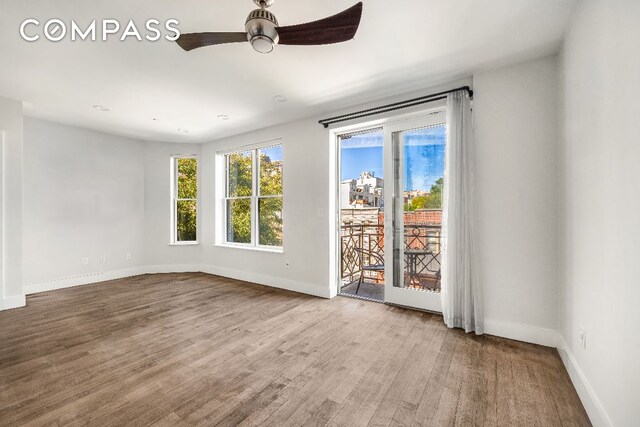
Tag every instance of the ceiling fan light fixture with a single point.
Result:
(261, 30)
(262, 44)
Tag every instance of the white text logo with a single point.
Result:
(56, 30)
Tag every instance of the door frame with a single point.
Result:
(411, 298)
(420, 299)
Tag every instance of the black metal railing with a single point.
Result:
(422, 254)
(357, 242)
(422, 257)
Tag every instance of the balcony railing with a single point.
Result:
(422, 255)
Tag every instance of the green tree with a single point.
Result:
(270, 208)
(269, 200)
(433, 200)
(186, 209)
(240, 185)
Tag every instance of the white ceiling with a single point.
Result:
(401, 45)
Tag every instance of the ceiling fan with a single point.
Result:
(263, 31)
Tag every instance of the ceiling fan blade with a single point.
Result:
(335, 29)
(192, 41)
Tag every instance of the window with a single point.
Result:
(253, 202)
(185, 200)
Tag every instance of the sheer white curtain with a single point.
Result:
(461, 291)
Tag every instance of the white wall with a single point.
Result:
(516, 130)
(11, 135)
(157, 202)
(83, 198)
(600, 241)
(516, 124)
(305, 228)
(92, 195)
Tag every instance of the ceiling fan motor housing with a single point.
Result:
(261, 30)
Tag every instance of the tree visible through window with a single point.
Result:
(432, 200)
(185, 199)
(254, 197)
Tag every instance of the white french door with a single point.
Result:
(413, 175)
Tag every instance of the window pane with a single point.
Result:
(186, 221)
(239, 221)
(187, 178)
(419, 158)
(240, 175)
(270, 217)
(271, 171)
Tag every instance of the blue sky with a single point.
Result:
(274, 153)
(424, 157)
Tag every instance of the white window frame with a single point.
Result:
(255, 198)
(174, 200)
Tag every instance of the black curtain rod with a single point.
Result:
(393, 107)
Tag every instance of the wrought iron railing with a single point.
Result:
(422, 254)
(422, 257)
(357, 242)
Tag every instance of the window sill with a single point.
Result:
(184, 244)
(251, 248)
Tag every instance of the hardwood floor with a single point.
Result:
(184, 349)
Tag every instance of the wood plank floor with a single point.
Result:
(185, 349)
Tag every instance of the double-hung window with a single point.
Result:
(253, 199)
(184, 200)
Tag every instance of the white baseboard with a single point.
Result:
(521, 332)
(176, 268)
(9, 303)
(590, 401)
(290, 285)
(88, 279)
(80, 280)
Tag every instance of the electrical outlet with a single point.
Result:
(103, 259)
(85, 261)
(320, 213)
(129, 256)
(583, 338)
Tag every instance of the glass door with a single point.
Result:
(414, 171)
(361, 214)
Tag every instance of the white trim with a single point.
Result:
(290, 285)
(87, 279)
(263, 144)
(9, 303)
(262, 248)
(522, 332)
(175, 268)
(81, 280)
(590, 401)
(175, 158)
(222, 175)
(394, 205)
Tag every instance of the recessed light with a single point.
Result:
(223, 117)
(280, 98)
(101, 108)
